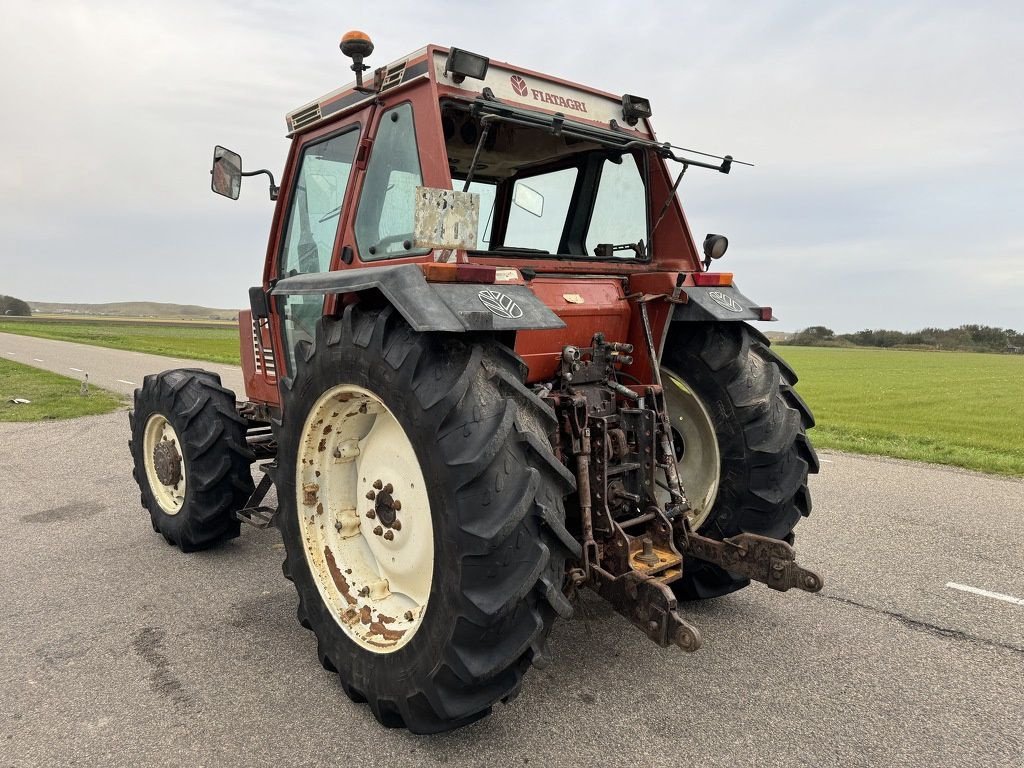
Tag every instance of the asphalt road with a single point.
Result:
(119, 650)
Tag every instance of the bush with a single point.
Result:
(12, 306)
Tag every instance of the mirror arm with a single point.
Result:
(274, 189)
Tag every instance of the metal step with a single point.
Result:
(257, 517)
(254, 513)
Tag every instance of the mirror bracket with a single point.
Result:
(274, 189)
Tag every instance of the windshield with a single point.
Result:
(547, 194)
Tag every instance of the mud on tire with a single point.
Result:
(761, 426)
(215, 458)
(496, 500)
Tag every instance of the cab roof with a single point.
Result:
(505, 82)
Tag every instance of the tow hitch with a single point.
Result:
(770, 561)
(633, 544)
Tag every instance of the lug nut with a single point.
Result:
(388, 488)
(378, 531)
(389, 535)
(378, 484)
(396, 505)
(371, 514)
(397, 525)
(371, 495)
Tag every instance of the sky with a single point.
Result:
(888, 138)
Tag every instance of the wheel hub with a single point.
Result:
(167, 463)
(385, 506)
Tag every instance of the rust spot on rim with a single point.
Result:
(377, 628)
(339, 581)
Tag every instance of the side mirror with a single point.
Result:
(226, 172)
(529, 199)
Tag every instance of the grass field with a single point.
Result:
(52, 396)
(958, 408)
(217, 342)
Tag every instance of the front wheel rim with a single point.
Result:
(165, 464)
(696, 442)
(365, 518)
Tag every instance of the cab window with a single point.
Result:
(620, 209)
(384, 221)
(320, 184)
(540, 205)
(316, 204)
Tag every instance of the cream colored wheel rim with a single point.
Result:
(693, 433)
(160, 446)
(364, 517)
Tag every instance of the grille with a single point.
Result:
(393, 76)
(306, 117)
(264, 356)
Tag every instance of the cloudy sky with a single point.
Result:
(888, 138)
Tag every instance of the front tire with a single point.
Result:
(190, 456)
(434, 651)
(746, 427)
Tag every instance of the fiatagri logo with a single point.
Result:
(522, 89)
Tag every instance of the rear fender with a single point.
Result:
(427, 307)
(722, 303)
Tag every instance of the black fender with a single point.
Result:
(719, 303)
(448, 307)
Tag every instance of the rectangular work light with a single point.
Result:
(462, 64)
(635, 108)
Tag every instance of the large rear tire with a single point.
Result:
(422, 514)
(190, 457)
(741, 436)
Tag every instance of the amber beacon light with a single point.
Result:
(357, 46)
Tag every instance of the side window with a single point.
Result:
(320, 186)
(539, 208)
(620, 210)
(384, 221)
(316, 205)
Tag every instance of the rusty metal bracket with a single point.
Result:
(770, 561)
(649, 604)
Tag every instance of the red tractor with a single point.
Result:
(487, 366)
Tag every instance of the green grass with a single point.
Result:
(958, 408)
(217, 343)
(52, 396)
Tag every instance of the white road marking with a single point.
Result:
(826, 461)
(12, 353)
(37, 359)
(74, 369)
(985, 593)
(128, 382)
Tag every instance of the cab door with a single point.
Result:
(319, 196)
